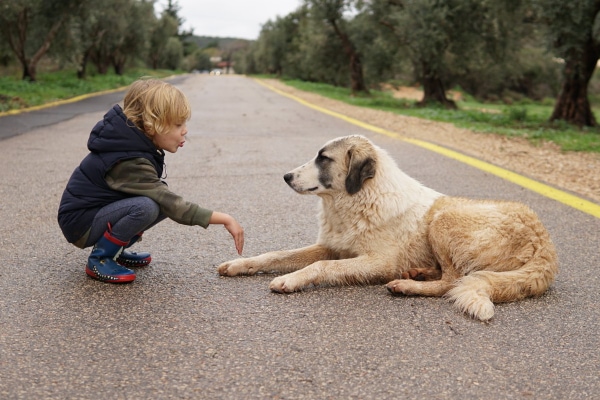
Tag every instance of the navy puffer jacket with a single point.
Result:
(112, 140)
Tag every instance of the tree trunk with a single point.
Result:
(88, 53)
(357, 81)
(102, 66)
(43, 49)
(29, 72)
(433, 90)
(82, 69)
(573, 105)
(119, 65)
(15, 33)
(100, 60)
(154, 60)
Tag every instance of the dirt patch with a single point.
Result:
(10, 103)
(578, 173)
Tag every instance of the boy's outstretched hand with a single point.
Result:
(234, 228)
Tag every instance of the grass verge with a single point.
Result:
(16, 93)
(526, 119)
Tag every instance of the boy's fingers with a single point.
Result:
(238, 238)
(240, 244)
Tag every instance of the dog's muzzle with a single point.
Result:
(288, 178)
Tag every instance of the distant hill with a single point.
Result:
(209, 41)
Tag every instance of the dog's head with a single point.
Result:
(342, 164)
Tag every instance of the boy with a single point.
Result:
(117, 191)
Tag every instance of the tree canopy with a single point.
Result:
(490, 49)
(106, 34)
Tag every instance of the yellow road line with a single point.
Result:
(60, 102)
(71, 100)
(533, 185)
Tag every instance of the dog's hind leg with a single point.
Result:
(422, 274)
(471, 293)
(434, 288)
(475, 293)
(454, 242)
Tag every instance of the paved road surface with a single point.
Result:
(181, 331)
(12, 125)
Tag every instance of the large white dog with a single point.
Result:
(378, 225)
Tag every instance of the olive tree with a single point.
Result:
(278, 43)
(435, 32)
(161, 31)
(573, 33)
(126, 39)
(30, 27)
(332, 12)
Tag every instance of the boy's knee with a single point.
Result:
(149, 208)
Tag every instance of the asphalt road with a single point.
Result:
(181, 331)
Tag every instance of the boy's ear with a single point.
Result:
(149, 129)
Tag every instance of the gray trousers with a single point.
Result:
(127, 218)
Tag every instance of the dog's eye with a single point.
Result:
(322, 158)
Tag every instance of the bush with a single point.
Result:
(516, 114)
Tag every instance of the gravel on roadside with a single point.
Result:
(575, 172)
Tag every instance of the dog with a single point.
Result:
(378, 225)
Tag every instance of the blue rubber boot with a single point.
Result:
(101, 263)
(131, 258)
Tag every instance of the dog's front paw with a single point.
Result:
(400, 286)
(285, 284)
(239, 266)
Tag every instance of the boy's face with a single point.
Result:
(173, 139)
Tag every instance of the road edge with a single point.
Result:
(561, 196)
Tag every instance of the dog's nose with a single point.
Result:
(288, 177)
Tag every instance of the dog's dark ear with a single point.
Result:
(360, 169)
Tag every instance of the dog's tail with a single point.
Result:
(476, 293)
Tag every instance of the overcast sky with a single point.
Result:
(230, 18)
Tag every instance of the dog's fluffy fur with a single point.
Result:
(378, 225)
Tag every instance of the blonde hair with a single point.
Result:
(153, 106)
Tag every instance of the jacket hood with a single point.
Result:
(114, 133)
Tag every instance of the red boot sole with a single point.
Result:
(111, 279)
(134, 264)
